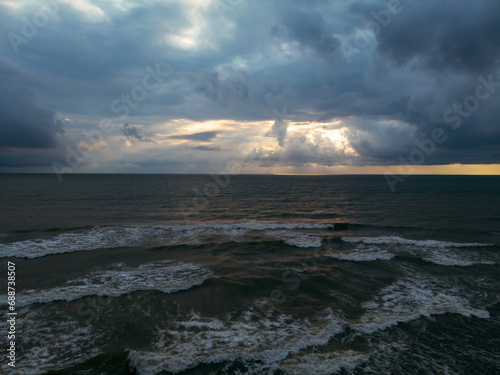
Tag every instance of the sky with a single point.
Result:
(285, 87)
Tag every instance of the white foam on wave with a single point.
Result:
(267, 341)
(438, 252)
(411, 298)
(324, 363)
(118, 279)
(51, 345)
(395, 240)
(449, 258)
(297, 239)
(362, 254)
(149, 235)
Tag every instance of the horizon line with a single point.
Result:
(244, 174)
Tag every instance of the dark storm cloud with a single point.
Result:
(427, 58)
(257, 58)
(201, 136)
(308, 27)
(23, 123)
(447, 45)
(206, 148)
(220, 91)
(459, 35)
(132, 132)
(12, 159)
(280, 127)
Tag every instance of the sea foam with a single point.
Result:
(158, 235)
(439, 252)
(119, 279)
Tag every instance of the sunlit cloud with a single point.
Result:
(268, 80)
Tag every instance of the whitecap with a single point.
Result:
(155, 235)
(296, 239)
(118, 279)
(50, 346)
(409, 299)
(199, 340)
(439, 252)
(395, 240)
(362, 254)
(324, 363)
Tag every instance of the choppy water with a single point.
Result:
(142, 274)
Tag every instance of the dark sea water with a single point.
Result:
(171, 274)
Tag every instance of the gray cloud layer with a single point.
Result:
(259, 56)
(201, 136)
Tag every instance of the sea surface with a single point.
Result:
(252, 274)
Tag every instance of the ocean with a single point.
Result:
(251, 274)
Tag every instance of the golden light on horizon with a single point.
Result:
(449, 169)
(242, 138)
